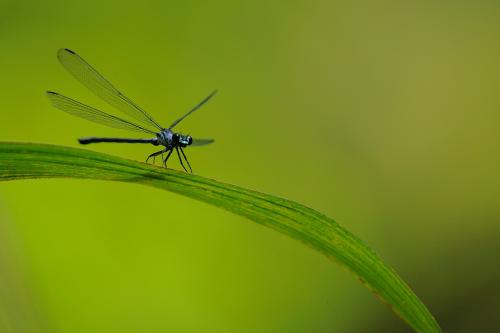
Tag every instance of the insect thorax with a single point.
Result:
(165, 137)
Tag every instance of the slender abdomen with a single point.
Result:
(86, 141)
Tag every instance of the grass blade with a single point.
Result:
(25, 161)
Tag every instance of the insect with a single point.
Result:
(102, 88)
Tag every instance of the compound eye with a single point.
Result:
(190, 140)
(175, 138)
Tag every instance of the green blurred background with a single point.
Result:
(383, 115)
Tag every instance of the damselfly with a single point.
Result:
(102, 88)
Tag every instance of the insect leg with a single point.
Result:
(153, 155)
(182, 151)
(168, 155)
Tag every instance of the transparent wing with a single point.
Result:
(78, 109)
(206, 99)
(101, 87)
(202, 142)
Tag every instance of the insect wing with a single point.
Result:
(201, 142)
(206, 99)
(81, 110)
(101, 87)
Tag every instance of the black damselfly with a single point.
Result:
(102, 88)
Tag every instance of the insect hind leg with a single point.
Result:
(153, 155)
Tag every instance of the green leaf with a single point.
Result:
(24, 160)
